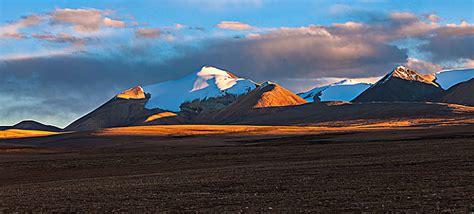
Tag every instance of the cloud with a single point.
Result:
(179, 26)
(306, 52)
(469, 63)
(451, 42)
(228, 25)
(113, 23)
(403, 17)
(433, 17)
(439, 43)
(148, 32)
(422, 66)
(12, 35)
(11, 30)
(84, 20)
(350, 25)
(61, 37)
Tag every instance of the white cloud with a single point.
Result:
(230, 25)
(113, 23)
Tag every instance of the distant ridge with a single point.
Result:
(448, 78)
(32, 125)
(345, 90)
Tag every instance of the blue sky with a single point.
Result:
(71, 56)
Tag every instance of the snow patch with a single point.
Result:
(345, 90)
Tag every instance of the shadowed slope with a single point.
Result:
(32, 125)
(461, 93)
(343, 113)
(115, 112)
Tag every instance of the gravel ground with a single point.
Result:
(352, 172)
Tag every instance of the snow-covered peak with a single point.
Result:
(205, 83)
(448, 78)
(222, 79)
(212, 71)
(405, 73)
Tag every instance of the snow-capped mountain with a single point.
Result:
(207, 83)
(448, 78)
(345, 90)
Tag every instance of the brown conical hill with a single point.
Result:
(265, 98)
(461, 93)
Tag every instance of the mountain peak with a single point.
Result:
(213, 71)
(34, 125)
(208, 82)
(209, 75)
(266, 97)
(136, 92)
(402, 84)
(402, 72)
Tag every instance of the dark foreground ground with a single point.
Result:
(423, 169)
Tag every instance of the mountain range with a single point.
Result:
(215, 96)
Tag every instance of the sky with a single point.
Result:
(62, 59)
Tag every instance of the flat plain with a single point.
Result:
(242, 168)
